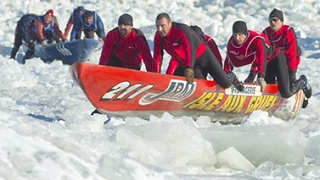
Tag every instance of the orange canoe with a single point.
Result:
(124, 92)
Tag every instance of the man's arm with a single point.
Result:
(185, 37)
(68, 27)
(107, 48)
(38, 25)
(261, 56)
(100, 29)
(291, 49)
(145, 52)
(58, 31)
(157, 53)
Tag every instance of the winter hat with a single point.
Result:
(125, 19)
(276, 13)
(80, 9)
(240, 27)
(49, 12)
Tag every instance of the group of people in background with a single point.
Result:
(274, 54)
(87, 21)
(44, 29)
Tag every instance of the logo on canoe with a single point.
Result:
(176, 91)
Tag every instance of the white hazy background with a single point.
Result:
(47, 132)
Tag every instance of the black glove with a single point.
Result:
(238, 84)
(251, 76)
(189, 73)
(292, 76)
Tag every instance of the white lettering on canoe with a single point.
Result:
(64, 51)
(177, 91)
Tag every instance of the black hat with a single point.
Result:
(240, 27)
(276, 13)
(80, 9)
(125, 19)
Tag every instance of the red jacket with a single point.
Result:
(285, 39)
(213, 47)
(250, 52)
(183, 46)
(129, 50)
(40, 26)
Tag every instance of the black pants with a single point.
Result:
(208, 63)
(18, 40)
(277, 71)
(17, 43)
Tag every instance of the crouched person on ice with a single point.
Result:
(42, 30)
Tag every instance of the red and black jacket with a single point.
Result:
(129, 50)
(182, 43)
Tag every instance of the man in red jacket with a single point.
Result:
(247, 47)
(190, 56)
(125, 46)
(283, 36)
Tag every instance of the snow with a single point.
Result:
(47, 132)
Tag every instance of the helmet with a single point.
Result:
(49, 12)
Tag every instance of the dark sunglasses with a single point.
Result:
(274, 19)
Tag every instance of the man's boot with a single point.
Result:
(297, 85)
(95, 112)
(28, 55)
(305, 103)
(307, 90)
(14, 52)
(238, 84)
